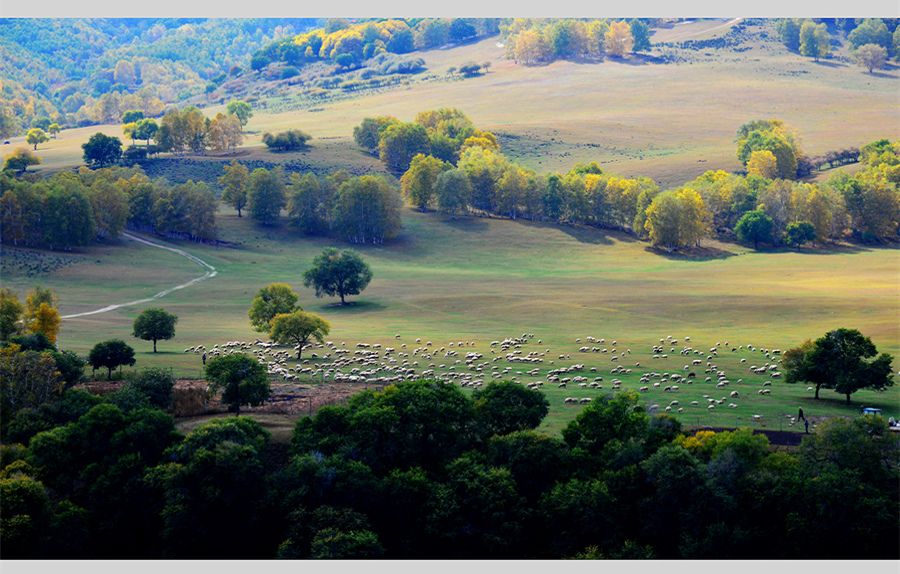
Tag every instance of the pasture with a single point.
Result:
(483, 279)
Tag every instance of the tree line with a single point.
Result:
(873, 41)
(477, 178)
(75, 209)
(536, 40)
(421, 470)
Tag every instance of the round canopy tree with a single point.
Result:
(273, 300)
(338, 273)
(242, 380)
(102, 150)
(298, 328)
(155, 324)
(111, 354)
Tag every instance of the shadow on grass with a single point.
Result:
(352, 307)
(884, 75)
(692, 253)
(830, 64)
(468, 223)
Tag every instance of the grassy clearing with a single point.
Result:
(481, 279)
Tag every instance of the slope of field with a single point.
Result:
(635, 116)
(481, 279)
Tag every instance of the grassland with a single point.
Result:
(481, 279)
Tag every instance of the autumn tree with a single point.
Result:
(763, 164)
(871, 56)
(36, 136)
(266, 196)
(20, 159)
(155, 324)
(240, 378)
(418, 181)
(41, 314)
(619, 41)
(298, 328)
(676, 219)
(272, 300)
(28, 379)
(815, 41)
(225, 133)
(340, 273)
(54, 129)
(145, 129)
(233, 182)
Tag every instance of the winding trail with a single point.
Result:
(210, 272)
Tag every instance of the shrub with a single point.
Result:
(289, 140)
(289, 72)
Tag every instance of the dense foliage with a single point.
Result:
(421, 470)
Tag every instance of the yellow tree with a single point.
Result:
(693, 216)
(619, 41)
(41, 314)
(225, 132)
(417, 183)
(763, 163)
(531, 47)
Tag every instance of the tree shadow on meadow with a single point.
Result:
(703, 253)
(351, 308)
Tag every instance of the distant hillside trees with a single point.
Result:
(442, 133)
(530, 41)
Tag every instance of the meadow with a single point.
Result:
(482, 279)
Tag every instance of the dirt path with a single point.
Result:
(210, 272)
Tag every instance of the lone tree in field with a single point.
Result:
(36, 136)
(298, 328)
(339, 273)
(275, 299)
(19, 160)
(155, 324)
(101, 150)
(871, 56)
(242, 380)
(838, 361)
(111, 354)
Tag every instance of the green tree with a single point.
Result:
(20, 159)
(146, 130)
(640, 32)
(233, 182)
(156, 384)
(838, 361)
(367, 135)
(871, 56)
(754, 226)
(101, 150)
(36, 136)
(110, 355)
(298, 328)
(800, 232)
(367, 209)
(266, 196)
(789, 32)
(340, 273)
(27, 379)
(814, 40)
(241, 379)
(870, 31)
(418, 181)
(274, 299)
(10, 314)
(54, 129)
(307, 203)
(451, 189)
(504, 407)
(241, 109)
(400, 143)
(618, 417)
(286, 141)
(132, 116)
(155, 325)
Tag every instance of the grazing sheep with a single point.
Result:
(734, 394)
(711, 407)
(681, 410)
(584, 400)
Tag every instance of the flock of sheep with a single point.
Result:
(460, 362)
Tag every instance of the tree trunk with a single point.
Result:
(817, 392)
(154, 345)
(109, 375)
(848, 398)
(342, 300)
